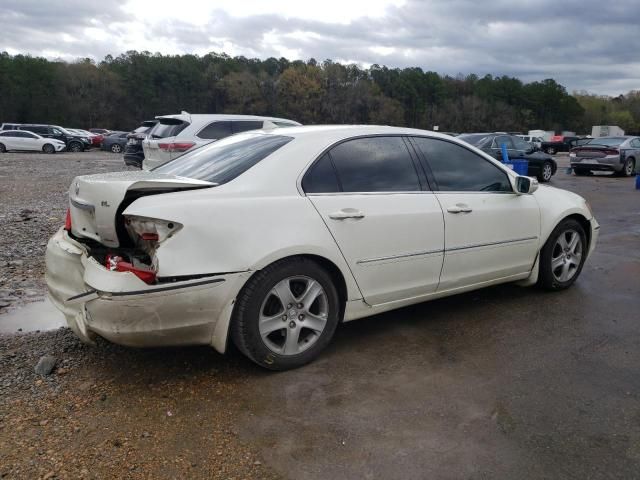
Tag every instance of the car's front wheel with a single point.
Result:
(116, 148)
(48, 148)
(563, 255)
(546, 173)
(2, 148)
(286, 314)
(550, 150)
(76, 147)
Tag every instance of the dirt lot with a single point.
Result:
(501, 383)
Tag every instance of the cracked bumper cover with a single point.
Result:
(123, 309)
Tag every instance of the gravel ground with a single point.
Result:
(167, 414)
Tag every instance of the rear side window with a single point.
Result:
(36, 129)
(285, 124)
(321, 177)
(460, 170)
(168, 127)
(245, 126)
(375, 164)
(635, 143)
(502, 139)
(221, 162)
(9, 134)
(216, 131)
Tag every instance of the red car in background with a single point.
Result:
(95, 138)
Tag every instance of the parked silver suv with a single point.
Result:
(175, 135)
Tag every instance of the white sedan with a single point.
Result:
(273, 238)
(23, 140)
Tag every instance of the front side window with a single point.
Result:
(222, 161)
(375, 164)
(457, 169)
(216, 131)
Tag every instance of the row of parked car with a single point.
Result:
(54, 138)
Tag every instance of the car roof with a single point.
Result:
(203, 117)
(336, 132)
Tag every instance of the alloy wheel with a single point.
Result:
(566, 256)
(547, 172)
(293, 315)
(628, 168)
(115, 148)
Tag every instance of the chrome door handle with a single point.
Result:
(346, 213)
(460, 208)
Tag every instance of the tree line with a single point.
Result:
(119, 92)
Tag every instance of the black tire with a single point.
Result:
(48, 148)
(581, 171)
(75, 147)
(546, 277)
(244, 323)
(3, 149)
(628, 168)
(546, 172)
(116, 148)
(550, 150)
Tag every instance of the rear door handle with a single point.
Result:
(346, 213)
(460, 208)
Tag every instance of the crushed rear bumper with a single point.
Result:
(123, 309)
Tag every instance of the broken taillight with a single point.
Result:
(67, 221)
(151, 230)
(116, 263)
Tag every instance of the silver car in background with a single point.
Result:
(609, 154)
(174, 135)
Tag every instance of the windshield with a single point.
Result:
(168, 127)
(607, 141)
(474, 138)
(222, 161)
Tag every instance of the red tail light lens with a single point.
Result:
(116, 263)
(67, 221)
(611, 151)
(176, 146)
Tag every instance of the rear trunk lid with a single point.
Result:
(163, 134)
(97, 201)
(594, 151)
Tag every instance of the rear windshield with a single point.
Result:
(222, 161)
(168, 127)
(609, 142)
(474, 138)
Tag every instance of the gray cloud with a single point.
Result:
(583, 44)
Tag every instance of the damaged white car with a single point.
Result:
(273, 238)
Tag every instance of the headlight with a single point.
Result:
(572, 155)
(85, 139)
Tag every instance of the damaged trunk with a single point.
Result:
(119, 242)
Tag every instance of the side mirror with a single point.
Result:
(525, 185)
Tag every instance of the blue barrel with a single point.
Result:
(521, 167)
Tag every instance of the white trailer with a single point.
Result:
(545, 135)
(606, 131)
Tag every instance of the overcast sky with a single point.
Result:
(583, 44)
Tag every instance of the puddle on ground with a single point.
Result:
(31, 317)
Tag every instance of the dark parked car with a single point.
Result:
(133, 153)
(115, 142)
(541, 165)
(558, 143)
(609, 154)
(75, 142)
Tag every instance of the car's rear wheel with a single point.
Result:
(628, 168)
(75, 147)
(550, 150)
(48, 148)
(563, 255)
(581, 171)
(116, 148)
(2, 148)
(546, 173)
(286, 314)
